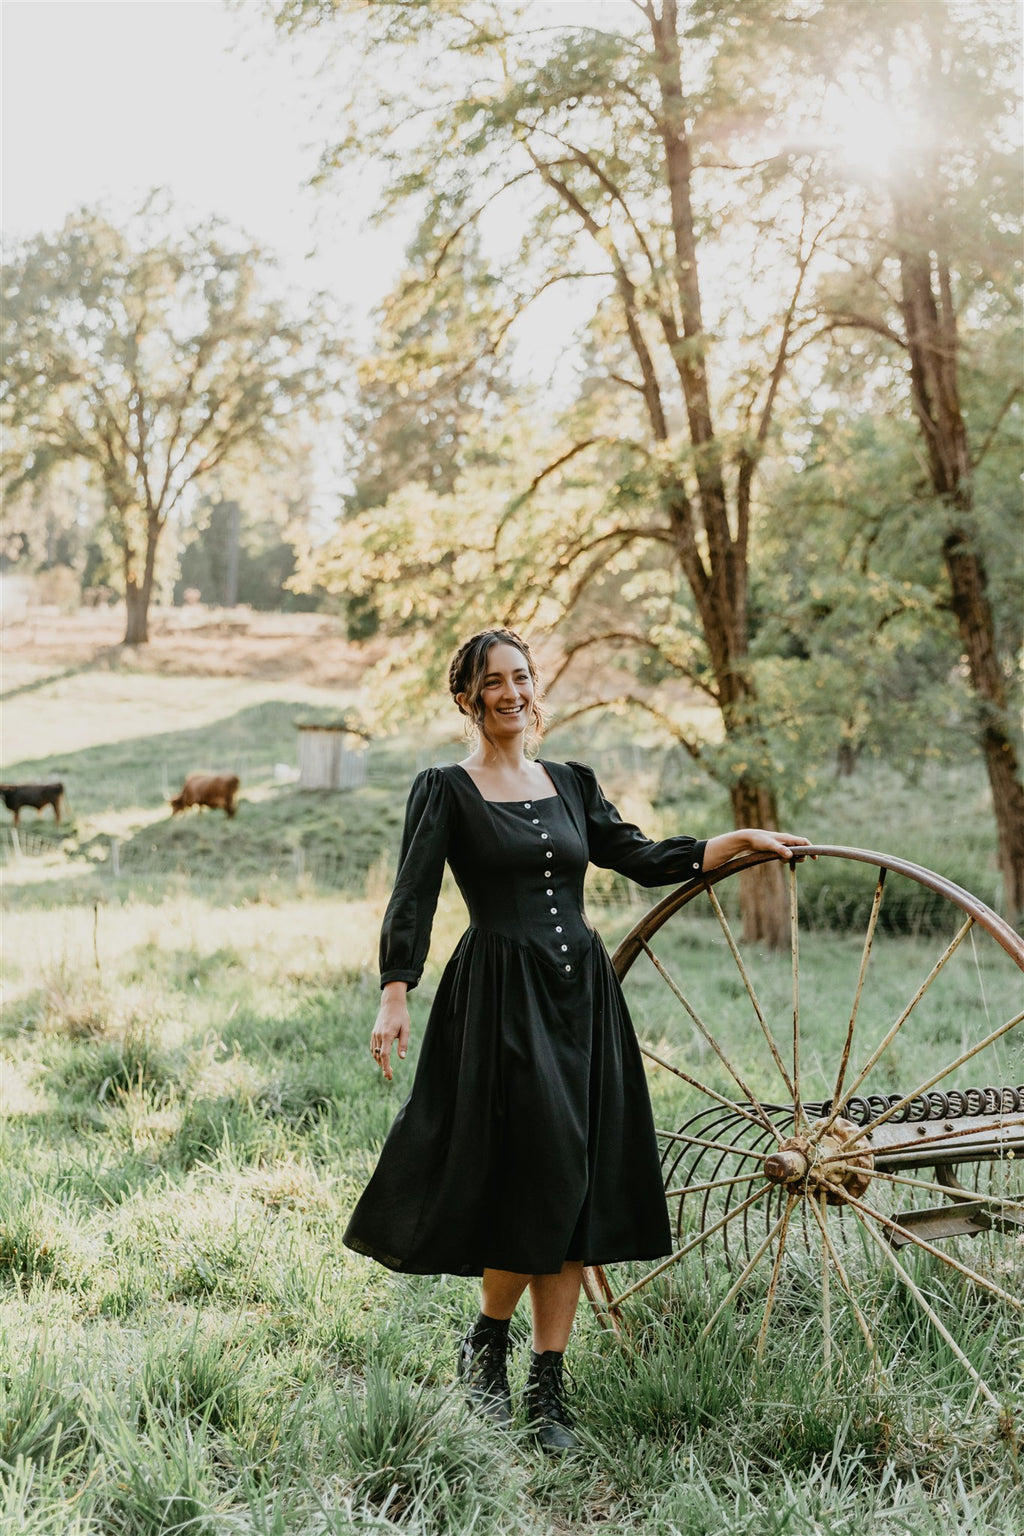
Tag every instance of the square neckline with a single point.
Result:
(534, 800)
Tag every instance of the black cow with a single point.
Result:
(17, 796)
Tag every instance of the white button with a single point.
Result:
(549, 893)
(565, 949)
(554, 911)
(696, 866)
(568, 967)
(536, 820)
(544, 836)
(549, 854)
(558, 929)
(529, 805)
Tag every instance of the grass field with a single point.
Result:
(188, 1109)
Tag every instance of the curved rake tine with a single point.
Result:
(769, 1037)
(922, 1242)
(694, 1242)
(744, 1275)
(948, 952)
(794, 949)
(709, 1037)
(953, 1195)
(869, 938)
(695, 1189)
(844, 1281)
(769, 1301)
(929, 1311)
(933, 1142)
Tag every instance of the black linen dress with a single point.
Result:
(527, 1139)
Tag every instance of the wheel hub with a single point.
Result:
(807, 1163)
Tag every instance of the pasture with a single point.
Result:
(188, 1109)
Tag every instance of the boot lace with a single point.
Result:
(484, 1366)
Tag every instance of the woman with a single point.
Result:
(526, 1148)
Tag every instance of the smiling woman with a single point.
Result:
(526, 1148)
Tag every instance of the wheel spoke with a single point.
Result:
(938, 1077)
(928, 1309)
(709, 1037)
(952, 1194)
(694, 1242)
(745, 1273)
(844, 1281)
(758, 1010)
(922, 1242)
(826, 1299)
(712, 1093)
(695, 1189)
(869, 939)
(794, 949)
(946, 955)
(762, 1332)
(714, 1146)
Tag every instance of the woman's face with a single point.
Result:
(506, 694)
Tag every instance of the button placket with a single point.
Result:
(549, 890)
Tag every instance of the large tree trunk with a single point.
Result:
(764, 909)
(974, 621)
(927, 305)
(718, 577)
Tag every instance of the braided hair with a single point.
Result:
(469, 668)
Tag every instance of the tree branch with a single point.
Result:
(992, 432)
(632, 701)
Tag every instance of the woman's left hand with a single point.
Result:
(733, 845)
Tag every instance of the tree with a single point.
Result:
(153, 358)
(616, 147)
(435, 374)
(936, 243)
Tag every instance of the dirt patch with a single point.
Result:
(194, 641)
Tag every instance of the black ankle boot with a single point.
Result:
(544, 1399)
(481, 1369)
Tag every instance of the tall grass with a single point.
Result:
(188, 1347)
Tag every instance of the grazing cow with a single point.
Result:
(17, 796)
(217, 790)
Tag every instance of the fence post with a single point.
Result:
(16, 842)
(115, 857)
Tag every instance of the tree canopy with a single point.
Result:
(694, 169)
(153, 358)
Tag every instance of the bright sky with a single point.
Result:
(105, 99)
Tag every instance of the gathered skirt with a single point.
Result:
(527, 1139)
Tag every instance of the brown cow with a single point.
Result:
(17, 796)
(217, 790)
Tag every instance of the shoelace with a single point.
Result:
(485, 1364)
(551, 1386)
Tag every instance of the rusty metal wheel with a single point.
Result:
(851, 1107)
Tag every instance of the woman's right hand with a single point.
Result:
(392, 1025)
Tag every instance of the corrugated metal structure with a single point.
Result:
(331, 757)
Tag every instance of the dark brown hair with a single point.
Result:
(469, 668)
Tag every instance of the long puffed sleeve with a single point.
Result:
(619, 845)
(405, 932)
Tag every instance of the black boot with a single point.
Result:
(544, 1399)
(481, 1369)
